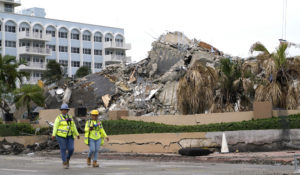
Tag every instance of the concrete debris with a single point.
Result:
(132, 78)
(106, 98)
(59, 94)
(10, 148)
(14, 148)
(67, 96)
(151, 85)
(146, 87)
(44, 146)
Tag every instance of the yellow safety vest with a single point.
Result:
(64, 129)
(95, 134)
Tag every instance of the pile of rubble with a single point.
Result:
(7, 148)
(145, 88)
(10, 148)
(150, 87)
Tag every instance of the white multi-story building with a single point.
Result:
(30, 36)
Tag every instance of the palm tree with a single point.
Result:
(82, 71)
(27, 94)
(53, 73)
(9, 75)
(277, 86)
(195, 90)
(231, 84)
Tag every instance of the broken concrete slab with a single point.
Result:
(91, 90)
(106, 99)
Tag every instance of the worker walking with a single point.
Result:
(65, 131)
(94, 136)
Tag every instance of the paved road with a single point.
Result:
(25, 165)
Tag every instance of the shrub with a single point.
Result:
(114, 127)
(16, 129)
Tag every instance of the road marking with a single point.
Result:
(4, 169)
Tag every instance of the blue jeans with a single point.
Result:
(94, 147)
(64, 145)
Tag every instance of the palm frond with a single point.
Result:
(195, 89)
(259, 47)
(292, 98)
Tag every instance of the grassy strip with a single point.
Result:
(116, 127)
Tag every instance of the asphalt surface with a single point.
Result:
(26, 165)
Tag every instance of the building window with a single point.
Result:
(63, 48)
(37, 60)
(37, 31)
(23, 43)
(98, 39)
(10, 43)
(119, 40)
(107, 52)
(108, 39)
(24, 29)
(9, 28)
(62, 34)
(63, 63)
(97, 52)
(75, 49)
(75, 63)
(52, 47)
(87, 64)
(98, 65)
(86, 51)
(8, 8)
(51, 32)
(36, 74)
(75, 36)
(120, 53)
(86, 37)
(26, 58)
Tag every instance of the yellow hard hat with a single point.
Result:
(94, 112)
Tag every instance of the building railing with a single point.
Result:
(119, 45)
(32, 80)
(34, 35)
(33, 66)
(36, 65)
(34, 50)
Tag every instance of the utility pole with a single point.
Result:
(284, 9)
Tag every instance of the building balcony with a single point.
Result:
(117, 45)
(34, 36)
(116, 58)
(25, 50)
(15, 3)
(33, 66)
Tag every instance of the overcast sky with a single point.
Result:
(232, 26)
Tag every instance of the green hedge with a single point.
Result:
(115, 127)
(16, 129)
